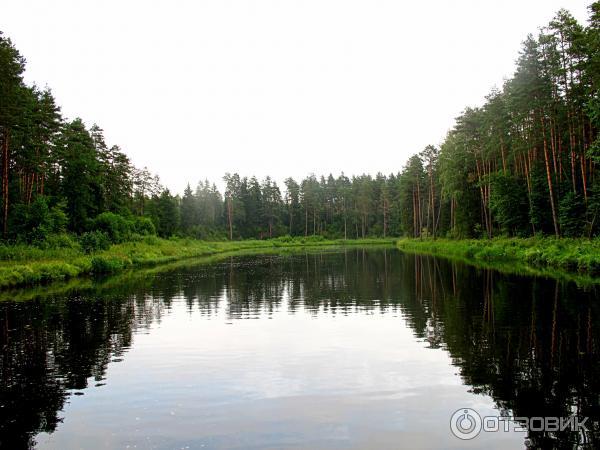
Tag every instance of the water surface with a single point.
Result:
(357, 348)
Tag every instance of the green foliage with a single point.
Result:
(519, 164)
(94, 241)
(108, 264)
(36, 222)
(508, 202)
(117, 228)
(593, 209)
(58, 242)
(189, 210)
(205, 233)
(80, 182)
(572, 215)
(57, 218)
(582, 255)
(21, 264)
(539, 205)
(165, 213)
(143, 226)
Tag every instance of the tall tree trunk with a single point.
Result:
(415, 227)
(420, 215)
(305, 221)
(230, 217)
(384, 216)
(452, 224)
(432, 191)
(30, 192)
(482, 193)
(5, 174)
(549, 179)
(583, 176)
(502, 151)
(553, 146)
(572, 157)
(345, 220)
(489, 190)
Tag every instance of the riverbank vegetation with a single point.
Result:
(26, 265)
(573, 255)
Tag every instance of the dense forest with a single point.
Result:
(524, 163)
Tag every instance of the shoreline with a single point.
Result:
(575, 259)
(64, 264)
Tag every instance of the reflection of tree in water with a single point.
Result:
(530, 343)
(51, 346)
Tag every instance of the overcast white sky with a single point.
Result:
(193, 89)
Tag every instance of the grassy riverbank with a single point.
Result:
(22, 265)
(572, 255)
(25, 265)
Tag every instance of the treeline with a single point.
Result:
(60, 176)
(524, 163)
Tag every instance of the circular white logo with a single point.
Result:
(465, 423)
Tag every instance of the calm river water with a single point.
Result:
(345, 349)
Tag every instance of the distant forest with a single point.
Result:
(523, 163)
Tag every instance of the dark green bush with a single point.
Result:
(315, 238)
(205, 233)
(508, 202)
(117, 228)
(93, 241)
(56, 241)
(284, 239)
(144, 226)
(33, 223)
(58, 219)
(8, 252)
(107, 264)
(571, 215)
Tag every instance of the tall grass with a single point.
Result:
(575, 255)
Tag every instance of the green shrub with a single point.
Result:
(151, 240)
(57, 271)
(94, 241)
(6, 252)
(108, 264)
(58, 241)
(33, 223)
(204, 233)
(58, 219)
(144, 226)
(117, 228)
(571, 215)
(312, 239)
